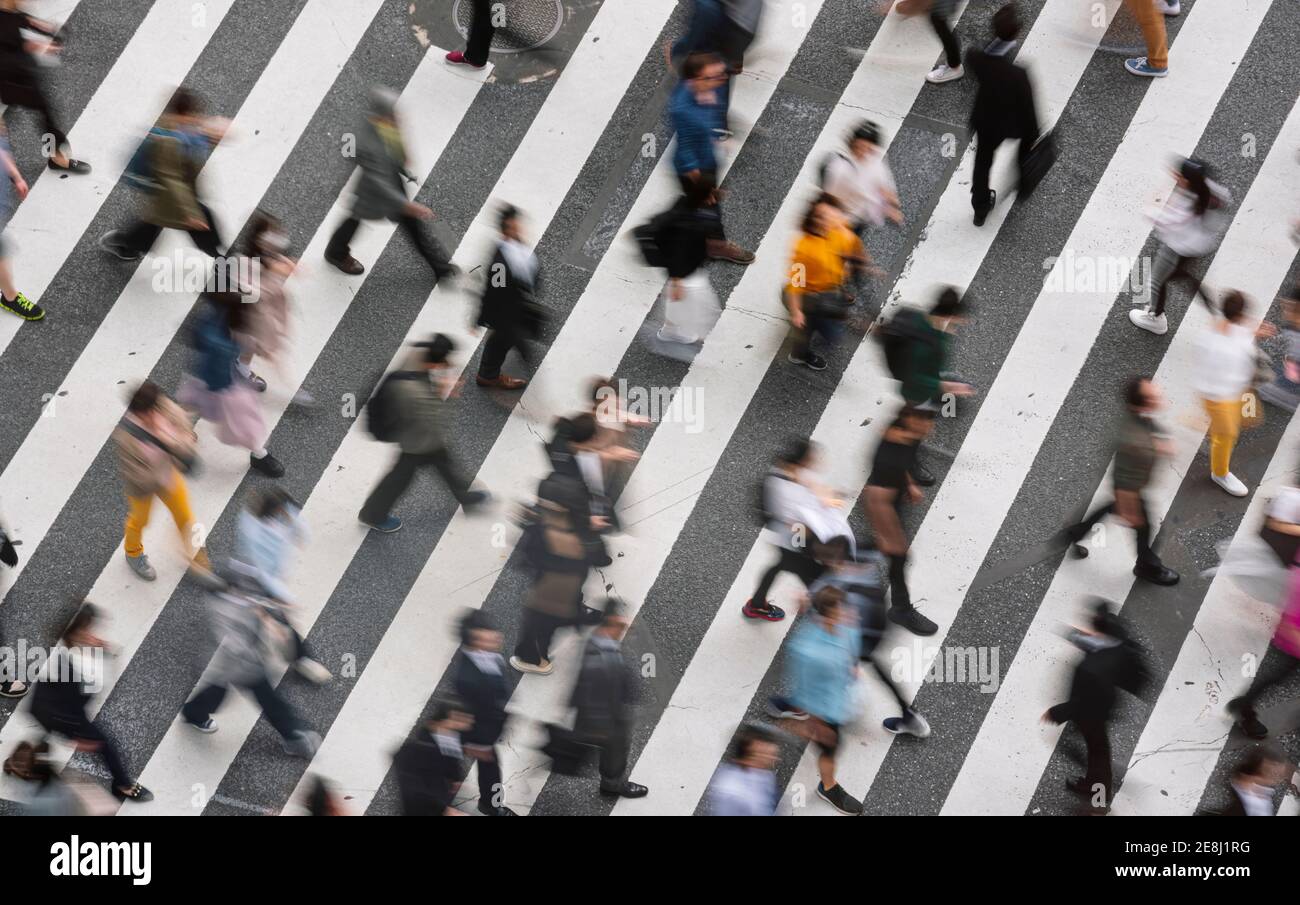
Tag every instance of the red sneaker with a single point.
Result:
(457, 58)
(771, 612)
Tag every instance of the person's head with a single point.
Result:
(184, 107)
(949, 306)
(382, 103)
(1262, 765)
(1006, 23)
(828, 605)
(436, 351)
(272, 503)
(80, 630)
(865, 140)
(797, 453)
(321, 800)
(478, 632)
(1193, 176)
(1234, 306)
(754, 747)
(577, 432)
(266, 236)
(510, 223)
(822, 215)
(450, 715)
(1142, 395)
(144, 401)
(704, 73)
(1105, 621)
(614, 623)
(913, 424)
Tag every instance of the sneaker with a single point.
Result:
(781, 709)
(1140, 66)
(110, 242)
(944, 73)
(1170, 7)
(911, 619)
(1161, 574)
(922, 475)
(133, 792)
(457, 58)
(1231, 484)
(475, 499)
(312, 670)
(1149, 321)
(268, 465)
(13, 689)
(207, 727)
(1247, 720)
(488, 810)
(545, 668)
(302, 743)
(810, 360)
(769, 612)
(140, 566)
(911, 724)
(22, 306)
(840, 800)
(387, 526)
(259, 383)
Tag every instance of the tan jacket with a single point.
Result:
(555, 593)
(145, 468)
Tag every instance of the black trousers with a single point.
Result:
(489, 779)
(985, 147)
(80, 728)
(613, 745)
(29, 92)
(481, 31)
(717, 208)
(496, 348)
(951, 48)
(1097, 771)
(1146, 557)
(802, 565)
(1277, 666)
(276, 709)
(898, 593)
(140, 236)
(1180, 271)
(426, 244)
(393, 485)
(535, 634)
(870, 658)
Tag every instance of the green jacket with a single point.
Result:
(927, 358)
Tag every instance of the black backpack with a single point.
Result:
(651, 237)
(382, 419)
(896, 335)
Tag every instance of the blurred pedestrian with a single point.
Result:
(12, 685)
(155, 444)
(1004, 107)
(1142, 442)
(942, 13)
(412, 399)
(429, 765)
(1278, 665)
(21, 84)
(1189, 227)
(602, 698)
(1150, 15)
(480, 683)
(167, 167)
(745, 784)
(861, 181)
(267, 327)
(827, 256)
(509, 306)
(1112, 661)
(1254, 782)
(73, 675)
(1284, 390)
(11, 299)
(381, 191)
(217, 391)
(690, 304)
(890, 487)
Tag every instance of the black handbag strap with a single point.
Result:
(144, 436)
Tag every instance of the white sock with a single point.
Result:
(259, 453)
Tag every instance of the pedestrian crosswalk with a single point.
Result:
(380, 611)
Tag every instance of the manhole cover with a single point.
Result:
(524, 24)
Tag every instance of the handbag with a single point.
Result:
(1037, 164)
(8, 555)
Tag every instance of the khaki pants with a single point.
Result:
(1152, 21)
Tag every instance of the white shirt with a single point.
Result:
(520, 259)
(1183, 231)
(1286, 506)
(738, 791)
(860, 185)
(487, 661)
(1257, 800)
(1226, 362)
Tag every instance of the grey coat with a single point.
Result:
(380, 191)
(422, 412)
(244, 641)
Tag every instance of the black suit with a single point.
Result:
(509, 309)
(485, 695)
(602, 698)
(1004, 108)
(427, 777)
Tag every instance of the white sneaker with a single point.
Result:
(543, 669)
(1152, 323)
(1231, 484)
(1169, 7)
(312, 671)
(944, 73)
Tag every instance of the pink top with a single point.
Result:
(1287, 636)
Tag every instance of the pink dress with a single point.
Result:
(1287, 636)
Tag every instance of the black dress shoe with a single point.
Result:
(488, 810)
(1162, 574)
(625, 790)
(921, 475)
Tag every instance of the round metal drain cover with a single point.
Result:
(526, 24)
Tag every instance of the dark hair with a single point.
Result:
(1006, 23)
(87, 615)
(576, 429)
(1255, 758)
(438, 348)
(597, 385)
(144, 399)
(1135, 391)
(827, 599)
(1197, 172)
(271, 502)
(507, 213)
(262, 223)
(823, 198)
(319, 796)
(948, 303)
(795, 451)
(184, 102)
(866, 131)
(613, 609)
(697, 62)
(1234, 306)
(474, 621)
(745, 738)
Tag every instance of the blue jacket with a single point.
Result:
(820, 666)
(694, 124)
(217, 350)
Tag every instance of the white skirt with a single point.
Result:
(690, 319)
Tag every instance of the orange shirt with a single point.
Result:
(819, 262)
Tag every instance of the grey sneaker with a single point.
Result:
(140, 566)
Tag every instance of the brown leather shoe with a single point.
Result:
(348, 265)
(729, 251)
(503, 382)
